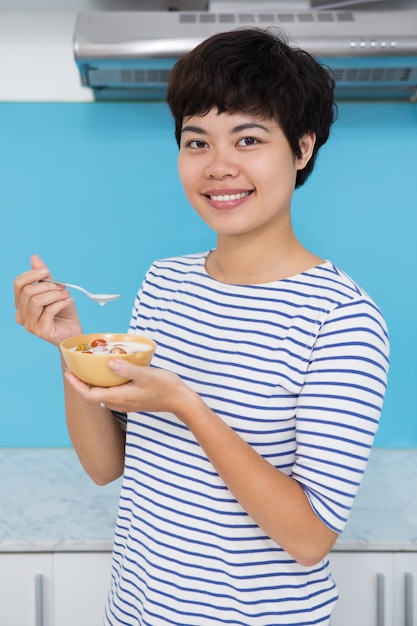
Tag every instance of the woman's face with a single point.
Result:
(238, 171)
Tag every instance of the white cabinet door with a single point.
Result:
(365, 583)
(81, 583)
(26, 589)
(405, 588)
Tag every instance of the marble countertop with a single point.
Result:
(49, 504)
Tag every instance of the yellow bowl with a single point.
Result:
(93, 368)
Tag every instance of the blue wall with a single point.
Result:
(93, 189)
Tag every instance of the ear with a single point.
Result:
(307, 143)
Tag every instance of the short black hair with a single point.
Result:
(256, 71)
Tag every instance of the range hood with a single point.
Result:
(125, 55)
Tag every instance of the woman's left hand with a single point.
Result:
(149, 389)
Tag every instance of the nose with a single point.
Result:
(221, 165)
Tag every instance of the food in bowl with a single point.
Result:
(102, 346)
(87, 356)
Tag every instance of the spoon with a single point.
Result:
(101, 298)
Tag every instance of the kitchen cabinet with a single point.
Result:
(405, 588)
(59, 589)
(26, 589)
(55, 560)
(81, 583)
(375, 588)
(68, 588)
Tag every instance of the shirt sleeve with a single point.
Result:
(339, 408)
(121, 417)
(139, 318)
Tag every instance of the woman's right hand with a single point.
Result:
(44, 309)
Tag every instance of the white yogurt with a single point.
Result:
(129, 347)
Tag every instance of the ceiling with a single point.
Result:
(102, 5)
(184, 5)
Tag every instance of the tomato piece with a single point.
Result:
(118, 350)
(98, 342)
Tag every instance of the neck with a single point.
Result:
(235, 262)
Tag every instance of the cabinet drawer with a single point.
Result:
(26, 590)
(81, 583)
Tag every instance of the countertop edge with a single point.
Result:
(9, 547)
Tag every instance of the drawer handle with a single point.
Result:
(408, 599)
(380, 600)
(39, 600)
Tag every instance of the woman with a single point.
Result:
(243, 446)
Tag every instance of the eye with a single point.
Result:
(196, 144)
(248, 141)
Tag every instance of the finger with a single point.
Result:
(34, 297)
(125, 369)
(77, 384)
(27, 278)
(93, 395)
(39, 317)
(37, 263)
(110, 397)
(38, 272)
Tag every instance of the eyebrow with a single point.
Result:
(237, 129)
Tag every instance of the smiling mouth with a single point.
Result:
(229, 197)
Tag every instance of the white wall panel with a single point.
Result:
(37, 60)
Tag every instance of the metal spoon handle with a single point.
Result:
(101, 298)
(53, 281)
(58, 282)
(75, 287)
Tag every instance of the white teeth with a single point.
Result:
(227, 197)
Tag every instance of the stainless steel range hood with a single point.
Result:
(129, 55)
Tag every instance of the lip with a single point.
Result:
(235, 197)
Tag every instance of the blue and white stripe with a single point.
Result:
(298, 368)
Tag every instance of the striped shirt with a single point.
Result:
(298, 369)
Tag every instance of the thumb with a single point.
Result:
(37, 263)
(122, 368)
